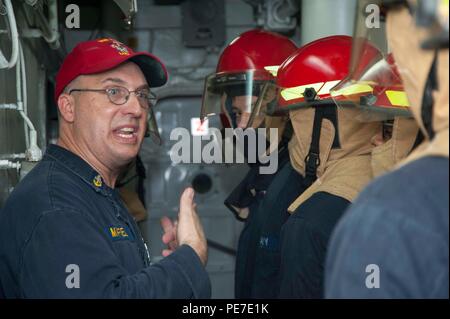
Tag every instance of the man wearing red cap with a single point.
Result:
(64, 231)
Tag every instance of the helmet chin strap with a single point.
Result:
(428, 101)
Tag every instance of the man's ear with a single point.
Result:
(66, 107)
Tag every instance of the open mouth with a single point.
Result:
(126, 134)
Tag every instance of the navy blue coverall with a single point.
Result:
(258, 258)
(394, 240)
(62, 221)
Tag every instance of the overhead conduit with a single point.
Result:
(33, 152)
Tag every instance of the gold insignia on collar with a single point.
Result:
(97, 181)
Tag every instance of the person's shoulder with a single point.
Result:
(416, 192)
(32, 189)
(427, 170)
(422, 181)
(26, 203)
(48, 186)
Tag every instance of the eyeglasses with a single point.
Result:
(119, 95)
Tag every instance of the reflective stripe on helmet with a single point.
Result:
(353, 89)
(321, 88)
(272, 69)
(297, 92)
(398, 98)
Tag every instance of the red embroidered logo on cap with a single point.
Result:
(120, 47)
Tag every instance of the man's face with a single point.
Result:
(244, 104)
(112, 133)
(242, 110)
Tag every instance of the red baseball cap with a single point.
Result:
(101, 55)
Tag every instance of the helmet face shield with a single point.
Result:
(152, 127)
(373, 83)
(242, 97)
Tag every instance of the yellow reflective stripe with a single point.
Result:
(273, 69)
(327, 87)
(353, 89)
(297, 92)
(442, 12)
(398, 98)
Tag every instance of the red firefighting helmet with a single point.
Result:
(318, 73)
(236, 89)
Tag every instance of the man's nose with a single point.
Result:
(243, 120)
(133, 106)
